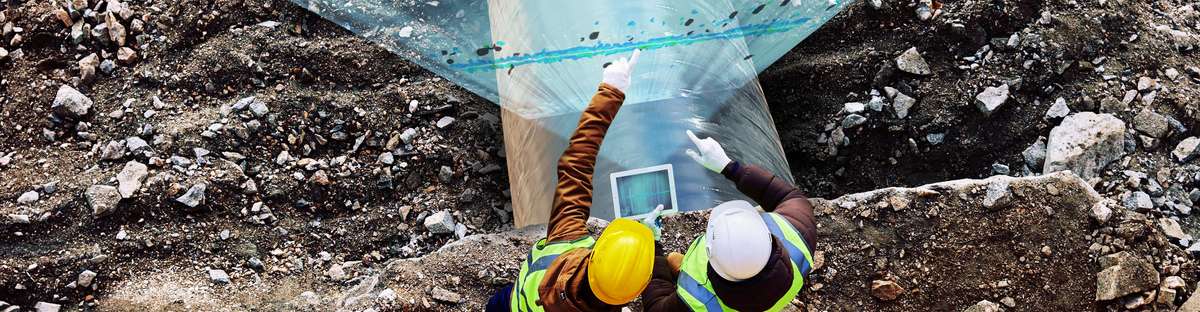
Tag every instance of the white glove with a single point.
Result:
(654, 222)
(711, 155)
(617, 73)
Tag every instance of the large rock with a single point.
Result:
(102, 199)
(1085, 143)
(194, 196)
(1187, 149)
(1122, 274)
(131, 177)
(911, 62)
(71, 104)
(440, 222)
(1152, 123)
(991, 98)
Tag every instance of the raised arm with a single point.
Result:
(573, 197)
(772, 193)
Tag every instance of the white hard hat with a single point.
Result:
(739, 243)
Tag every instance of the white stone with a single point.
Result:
(1058, 110)
(131, 177)
(28, 198)
(1187, 150)
(1085, 143)
(440, 222)
(911, 62)
(991, 98)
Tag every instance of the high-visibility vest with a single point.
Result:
(693, 286)
(533, 269)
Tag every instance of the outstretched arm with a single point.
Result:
(573, 197)
(772, 193)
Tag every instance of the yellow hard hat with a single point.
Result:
(622, 261)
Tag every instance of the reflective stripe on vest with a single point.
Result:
(533, 269)
(693, 287)
(797, 249)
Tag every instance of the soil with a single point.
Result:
(327, 88)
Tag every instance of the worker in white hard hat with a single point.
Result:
(748, 259)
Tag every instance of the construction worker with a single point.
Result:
(746, 260)
(569, 270)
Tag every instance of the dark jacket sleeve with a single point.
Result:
(573, 197)
(775, 195)
(659, 295)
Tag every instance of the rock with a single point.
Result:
(46, 307)
(1035, 154)
(126, 56)
(116, 30)
(998, 194)
(1173, 282)
(446, 174)
(1139, 201)
(991, 98)
(1146, 84)
(131, 177)
(1058, 110)
(408, 135)
(460, 230)
(87, 67)
(901, 104)
(28, 198)
(218, 276)
(3, 54)
(336, 272)
(135, 144)
(911, 62)
(1192, 304)
(194, 196)
(1008, 302)
(1085, 143)
(984, 306)
(1172, 74)
(1151, 123)
(114, 150)
(1000, 169)
(1187, 150)
(935, 138)
(445, 122)
(886, 290)
(71, 104)
(440, 223)
(108, 67)
(441, 294)
(1101, 212)
(853, 120)
(102, 199)
(854, 108)
(1122, 274)
(258, 108)
(85, 278)
(386, 158)
(1171, 229)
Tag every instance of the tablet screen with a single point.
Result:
(639, 194)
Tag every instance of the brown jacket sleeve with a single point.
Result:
(659, 295)
(573, 197)
(775, 195)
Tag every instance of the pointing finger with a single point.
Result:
(695, 140)
(634, 59)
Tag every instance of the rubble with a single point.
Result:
(131, 178)
(102, 199)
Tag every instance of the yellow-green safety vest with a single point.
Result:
(525, 289)
(693, 286)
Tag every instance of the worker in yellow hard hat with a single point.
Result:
(569, 270)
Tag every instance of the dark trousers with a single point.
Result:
(501, 301)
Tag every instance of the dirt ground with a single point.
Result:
(337, 102)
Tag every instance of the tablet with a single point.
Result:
(637, 192)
